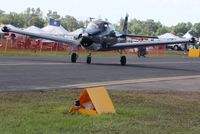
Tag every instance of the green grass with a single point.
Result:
(52, 53)
(13, 52)
(174, 53)
(32, 53)
(136, 112)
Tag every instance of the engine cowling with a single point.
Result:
(86, 41)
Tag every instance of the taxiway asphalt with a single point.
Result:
(44, 73)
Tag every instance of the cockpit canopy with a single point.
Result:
(101, 25)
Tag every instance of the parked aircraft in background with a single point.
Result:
(100, 35)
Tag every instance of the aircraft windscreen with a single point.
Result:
(98, 25)
(92, 25)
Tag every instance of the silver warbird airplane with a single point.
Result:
(101, 36)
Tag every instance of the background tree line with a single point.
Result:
(32, 16)
(150, 27)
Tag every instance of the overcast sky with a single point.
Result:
(168, 12)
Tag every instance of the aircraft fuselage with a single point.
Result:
(99, 34)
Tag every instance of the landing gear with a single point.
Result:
(141, 52)
(89, 59)
(74, 53)
(123, 60)
(74, 57)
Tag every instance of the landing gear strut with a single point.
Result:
(74, 57)
(89, 59)
(141, 52)
(123, 60)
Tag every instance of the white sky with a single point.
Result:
(168, 12)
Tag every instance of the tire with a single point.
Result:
(89, 59)
(138, 54)
(73, 57)
(123, 60)
(141, 52)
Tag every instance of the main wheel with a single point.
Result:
(74, 57)
(123, 60)
(141, 52)
(138, 54)
(89, 59)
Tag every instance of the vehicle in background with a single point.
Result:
(176, 47)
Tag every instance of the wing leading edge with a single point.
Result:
(147, 44)
(42, 36)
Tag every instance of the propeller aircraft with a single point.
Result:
(101, 35)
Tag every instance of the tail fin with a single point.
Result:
(125, 27)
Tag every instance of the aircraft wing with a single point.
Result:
(141, 36)
(146, 44)
(42, 36)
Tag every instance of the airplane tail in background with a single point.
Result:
(125, 34)
(125, 27)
